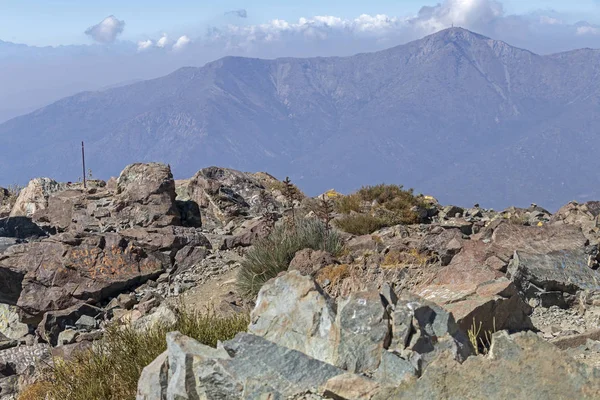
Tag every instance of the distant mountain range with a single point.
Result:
(455, 114)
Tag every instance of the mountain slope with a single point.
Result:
(455, 114)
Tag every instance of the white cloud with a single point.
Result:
(145, 44)
(182, 42)
(541, 31)
(545, 19)
(107, 30)
(162, 42)
(588, 30)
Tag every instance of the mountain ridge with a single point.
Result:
(431, 114)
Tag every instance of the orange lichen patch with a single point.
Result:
(113, 262)
(333, 273)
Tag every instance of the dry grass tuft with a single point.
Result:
(111, 369)
(273, 254)
(402, 259)
(333, 274)
(481, 341)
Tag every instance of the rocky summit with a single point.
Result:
(381, 294)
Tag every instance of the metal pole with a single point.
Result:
(83, 162)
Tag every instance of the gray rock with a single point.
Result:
(363, 325)
(451, 212)
(55, 322)
(247, 366)
(250, 232)
(86, 323)
(154, 379)
(127, 301)
(189, 256)
(7, 343)
(194, 372)
(67, 336)
(162, 315)
(434, 331)
(521, 366)
(548, 276)
(23, 358)
(293, 311)
(10, 325)
(394, 370)
(288, 372)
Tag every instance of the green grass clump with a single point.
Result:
(111, 369)
(273, 254)
(375, 207)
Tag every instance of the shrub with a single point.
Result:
(111, 369)
(272, 255)
(375, 207)
(360, 224)
(348, 204)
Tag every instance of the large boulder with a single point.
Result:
(554, 277)
(24, 358)
(355, 333)
(538, 239)
(470, 265)
(145, 196)
(34, 197)
(423, 331)
(247, 366)
(224, 194)
(293, 311)
(154, 379)
(490, 306)
(58, 272)
(521, 366)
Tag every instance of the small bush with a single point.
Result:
(111, 369)
(375, 207)
(273, 254)
(360, 224)
(348, 204)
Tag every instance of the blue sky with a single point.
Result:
(55, 22)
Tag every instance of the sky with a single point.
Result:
(64, 22)
(68, 46)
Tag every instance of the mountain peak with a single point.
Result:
(456, 34)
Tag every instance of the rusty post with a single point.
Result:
(83, 162)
